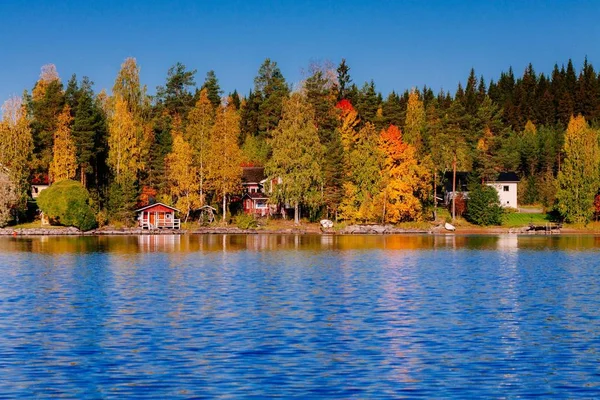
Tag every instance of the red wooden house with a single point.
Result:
(158, 216)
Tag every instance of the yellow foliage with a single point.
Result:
(47, 76)
(182, 175)
(198, 131)
(415, 120)
(124, 141)
(224, 157)
(348, 131)
(64, 160)
(405, 181)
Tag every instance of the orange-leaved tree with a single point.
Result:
(404, 180)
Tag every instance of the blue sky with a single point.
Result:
(399, 44)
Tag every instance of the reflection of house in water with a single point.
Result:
(152, 243)
(508, 242)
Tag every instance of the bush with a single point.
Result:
(68, 203)
(483, 207)
(245, 221)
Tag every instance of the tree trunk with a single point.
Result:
(454, 188)
(224, 206)
(434, 195)
(296, 213)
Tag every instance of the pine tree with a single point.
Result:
(344, 80)
(321, 93)
(87, 130)
(213, 90)
(271, 90)
(579, 179)
(47, 103)
(297, 156)
(176, 96)
(64, 161)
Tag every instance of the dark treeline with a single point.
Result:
(179, 146)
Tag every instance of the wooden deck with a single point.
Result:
(161, 223)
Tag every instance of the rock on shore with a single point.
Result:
(375, 229)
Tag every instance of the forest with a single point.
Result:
(339, 150)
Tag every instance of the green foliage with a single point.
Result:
(68, 203)
(214, 92)
(245, 221)
(122, 197)
(297, 155)
(483, 207)
(579, 178)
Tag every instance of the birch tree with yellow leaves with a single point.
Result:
(197, 134)
(182, 174)
(64, 160)
(579, 178)
(16, 147)
(224, 157)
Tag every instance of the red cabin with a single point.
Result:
(158, 216)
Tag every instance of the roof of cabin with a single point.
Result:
(150, 206)
(256, 196)
(253, 174)
(462, 179)
(507, 177)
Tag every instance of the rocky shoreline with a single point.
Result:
(364, 229)
(70, 231)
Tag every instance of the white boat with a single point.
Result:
(449, 227)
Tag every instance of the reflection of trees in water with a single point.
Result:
(264, 242)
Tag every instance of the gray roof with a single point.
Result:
(253, 174)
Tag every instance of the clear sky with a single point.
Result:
(399, 44)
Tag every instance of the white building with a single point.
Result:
(505, 184)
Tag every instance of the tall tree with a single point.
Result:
(321, 92)
(47, 103)
(88, 130)
(297, 156)
(197, 134)
(211, 85)
(182, 174)
(16, 149)
(579, 178)
(363, 163)
(224, 156)
(405, 182)
(176, 96)
(344, 80)
(415, 121)
(128, 87)
(271, 88)
(64, 161)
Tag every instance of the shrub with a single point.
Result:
(245, 221)
(68, 203)
(483, 207)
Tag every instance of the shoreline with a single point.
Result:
(352, 230)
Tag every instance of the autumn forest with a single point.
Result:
(339, 150)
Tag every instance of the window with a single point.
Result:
(506, 189)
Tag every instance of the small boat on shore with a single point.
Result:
(449, 227)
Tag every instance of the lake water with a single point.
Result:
(300, 317)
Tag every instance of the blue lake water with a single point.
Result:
(300, 317)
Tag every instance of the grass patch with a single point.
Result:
(514, 220)
(34, 225)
